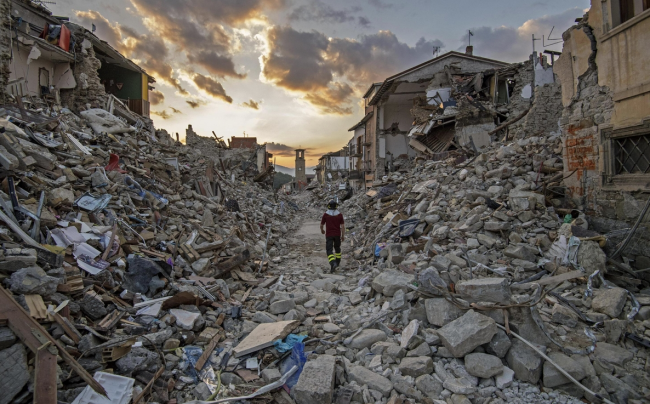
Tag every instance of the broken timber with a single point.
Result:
(505, 125)
(227, 266)
(44, 347)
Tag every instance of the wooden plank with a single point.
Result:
(45, 378)
(146, 389)
(26, 327)
(207, 352)
(69, 331)
(263, 336)
(268, 282)
(37, 308)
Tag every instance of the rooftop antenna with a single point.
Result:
(535, 39)
(469, 37)
(548, 38)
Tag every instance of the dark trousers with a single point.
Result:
(332, 244)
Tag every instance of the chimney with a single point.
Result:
(469, 50)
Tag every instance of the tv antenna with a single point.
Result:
(548, 38)
(535, 39)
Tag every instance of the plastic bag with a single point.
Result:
(379, 247)
(297, 358)
(289, 342)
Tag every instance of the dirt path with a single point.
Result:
(309, 244)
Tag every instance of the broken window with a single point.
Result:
(632, 155)
(44, 80)
(625, 10)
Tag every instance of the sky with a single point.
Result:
(292, 72)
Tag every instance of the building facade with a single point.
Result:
(606, 95)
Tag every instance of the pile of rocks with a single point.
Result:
(126, 245)
(490, 253)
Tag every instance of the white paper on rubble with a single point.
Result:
(88, 268)
(86, 249)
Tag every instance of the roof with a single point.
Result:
(243, 142)
(372, 86)
(362, 122)
(389, 81)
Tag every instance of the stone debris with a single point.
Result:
(150, 259)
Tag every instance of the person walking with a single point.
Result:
(332, 226)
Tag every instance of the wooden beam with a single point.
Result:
(45, 377)
(34, 336)
(207, 352)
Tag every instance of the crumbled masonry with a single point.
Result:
(175, 273)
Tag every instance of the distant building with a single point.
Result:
(333, 166)
(382, 136)
(242, 142)
(301, 175)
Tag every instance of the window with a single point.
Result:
(627, 152)
(625, 10)
(632, 155)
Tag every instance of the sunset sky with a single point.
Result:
(292, 71)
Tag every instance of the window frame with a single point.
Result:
(609, 136)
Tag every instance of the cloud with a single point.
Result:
(514, 44)
(156, 97)
(364, 22)
(319, 11)
(105, 29)
(251, 104)
(380, 4)
(166, 115)
(211, 87)
(329, 71)
(195, 103)
(282, 150)
(333, 100)
(149, 51)
(201, 29)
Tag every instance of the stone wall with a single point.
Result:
(89, 88)
(589, 110)
(518, 103)
(5, 50)
(545, 113)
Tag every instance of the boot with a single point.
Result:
(333, 266)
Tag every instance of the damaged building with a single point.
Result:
(452, 102)
(606, 97)
(53, 61)
(381, 137)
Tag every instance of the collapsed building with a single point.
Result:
(53, 63)
(453, 102)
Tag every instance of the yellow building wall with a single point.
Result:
(623, 61)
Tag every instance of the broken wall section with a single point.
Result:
(5, 49)
(90, 89)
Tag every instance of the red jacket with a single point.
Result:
(332, 224)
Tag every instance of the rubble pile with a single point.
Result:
(129, 252)
(475, 282)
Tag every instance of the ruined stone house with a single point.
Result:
(381, 137)
(606, 121)
(52, 61)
